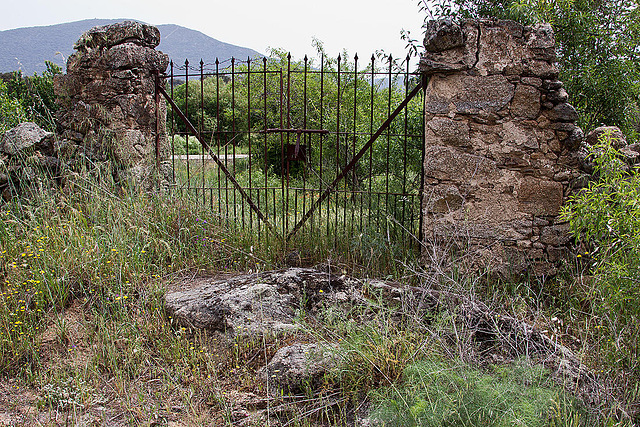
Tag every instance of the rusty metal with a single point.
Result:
(309, 134)
(173, 121)
(215, 158)
(355, 160)
(156, 95)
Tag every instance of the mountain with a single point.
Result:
(28, 48)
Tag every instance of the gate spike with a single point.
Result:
(201, 63)
(305, 58)
(355, 57)
(289, 56)
(217, 62)
(186, 63)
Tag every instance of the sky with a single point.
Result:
(359, 26)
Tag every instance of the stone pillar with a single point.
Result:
(108, 114)
(501, 151)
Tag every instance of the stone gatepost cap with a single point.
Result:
(107, 36)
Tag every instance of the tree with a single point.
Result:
(598, 50)
(11, 111)
(34, 95)
(225, 107)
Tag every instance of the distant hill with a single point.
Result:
(28, 48)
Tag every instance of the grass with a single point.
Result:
(84, 335)
(451, 393)
(366, 229)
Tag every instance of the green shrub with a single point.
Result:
(437, 393)
(11, 111)
(605, 216)
(36, 95)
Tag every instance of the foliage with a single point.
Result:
(606, 217)
(35, 95)
(598, 50)
(233, 110)
(11, 111)
(440, 393)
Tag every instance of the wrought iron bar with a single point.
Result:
(335, 228)
(173, 136)
(355, 102)
(215, 158)
(186, 112)
(355, 160)
(266, 167)
(233, 132)
(204, 197)
(307, 142)
(249, 136)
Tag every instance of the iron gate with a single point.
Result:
(293, 148)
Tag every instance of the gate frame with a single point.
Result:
(420, 86)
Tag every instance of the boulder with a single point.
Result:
(256, 304)
(21, 138)
(618, 139)
(299, 367)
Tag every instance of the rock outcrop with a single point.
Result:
(259, 303)
(108, 110)
(271, 303)
(502, 146)
(27, 159)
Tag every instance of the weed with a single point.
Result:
(436, 392)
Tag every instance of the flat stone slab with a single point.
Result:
(262, 303)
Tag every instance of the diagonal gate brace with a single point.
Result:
(355, 160)
(216, 159)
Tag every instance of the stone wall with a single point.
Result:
(108, 109)
(502, 147)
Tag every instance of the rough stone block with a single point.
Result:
(442, 35)
(556, 235)
(542, 69)
(562, 112)
(131, 55)
(526, 102)
(111, 35)
(21, 138)
(468, 94)
(517, 135)
(450, 164)
(541, 37)
(617, 137)
(445, 131)
(539, 197)
(444, 199)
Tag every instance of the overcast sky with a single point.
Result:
(360, 26)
